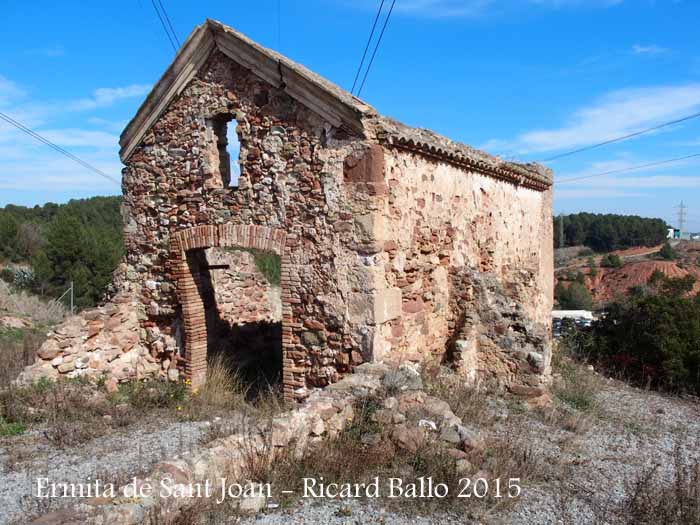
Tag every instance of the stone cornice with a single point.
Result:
(429, 144)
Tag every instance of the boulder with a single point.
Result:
(408, 438)
(49, 350)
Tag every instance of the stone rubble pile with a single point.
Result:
(104, 342)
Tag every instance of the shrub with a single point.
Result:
(611, 260)
(150, 395)
(10, 429)
(592, 270)
(269, 264)
(7, 275)
(667, 252)
(651, 338)
(652, 499)
(575, 296)
(577, 387)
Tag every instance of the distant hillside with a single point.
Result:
(637, 265)
(80, 241)
(605, 233)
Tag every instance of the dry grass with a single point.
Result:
(470, 403)
(651, 499)
(71, 411)
(17, 349)
(575, 386)
(336, 461)
(223, 387)
(29, 306)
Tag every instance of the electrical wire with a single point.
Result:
(170, 25)
(57, 148)
(376, 47)
(369, 41)
(165, 28)
(631, 168)
(620, 139)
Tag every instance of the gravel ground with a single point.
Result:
(591, 466)
(631, 431)
(111, 458)
(347, 513)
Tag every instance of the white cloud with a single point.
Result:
(657, 178)
(588, 193)
(104, 97)
(652, 49)
(614, 114)
(115, 126)
(27, 165)
(9, 91)
(76, 137)
(646, 182)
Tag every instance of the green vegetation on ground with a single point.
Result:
(611, 260)
(573, 296)
(667, 252)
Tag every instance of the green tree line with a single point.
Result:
(607, 232)
(80, 241)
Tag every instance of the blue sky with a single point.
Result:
(521, 78)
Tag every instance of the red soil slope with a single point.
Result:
(612, 281)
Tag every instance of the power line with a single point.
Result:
(170, 25)
(376, 47)
(369, 41)
(165, 28)
(624, 137)
(631, 168)
(68, 154)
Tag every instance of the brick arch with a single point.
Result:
(193, 315)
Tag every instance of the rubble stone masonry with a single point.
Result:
(375, 223)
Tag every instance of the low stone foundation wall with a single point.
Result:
(324, 415)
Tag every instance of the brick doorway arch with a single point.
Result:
(193, 310)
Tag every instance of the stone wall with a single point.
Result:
(291, 180)
(105, 342)
(242, 293)
(438, 219)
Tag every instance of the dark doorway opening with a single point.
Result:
(242, 324)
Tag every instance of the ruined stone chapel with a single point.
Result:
(262, 200)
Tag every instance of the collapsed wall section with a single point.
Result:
(441, 219)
